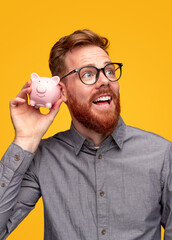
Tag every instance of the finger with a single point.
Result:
(16, 101)
(28, 84)
(55, 109)
(23, 93)
(57, 104)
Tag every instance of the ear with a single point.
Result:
(63, 91)
(56, 79)
(34, 76)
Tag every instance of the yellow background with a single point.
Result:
(140, 36)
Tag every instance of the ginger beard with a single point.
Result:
(102, 121)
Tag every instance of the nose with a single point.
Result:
(102, 79)
(41, 89)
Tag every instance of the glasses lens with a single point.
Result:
(88, 75)
(113, 71)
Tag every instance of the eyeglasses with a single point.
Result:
(90, 74)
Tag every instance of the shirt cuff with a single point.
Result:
(16, 159)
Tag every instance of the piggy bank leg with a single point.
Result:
(48, 105)
(38, 105)
(32, 103)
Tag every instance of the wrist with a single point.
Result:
(27, 143)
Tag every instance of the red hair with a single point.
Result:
(78, 38)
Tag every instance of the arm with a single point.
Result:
(13, 166)
(167, 196)
(19, 191)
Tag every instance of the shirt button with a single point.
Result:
(3, 184)
(16, 157)
(100, 156)
(87, 143)
(82, 148)
(102, 194)
(103, 232)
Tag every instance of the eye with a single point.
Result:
(87, 75)
(109, 72)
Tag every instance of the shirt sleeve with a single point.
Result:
(19, 191)
(167, 195)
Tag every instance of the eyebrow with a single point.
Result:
(94, 65)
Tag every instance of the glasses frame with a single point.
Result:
(98, 72)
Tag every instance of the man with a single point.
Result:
(99, 180)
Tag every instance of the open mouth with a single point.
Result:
(103, 100)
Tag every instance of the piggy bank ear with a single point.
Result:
(56, 79)
(34, 76)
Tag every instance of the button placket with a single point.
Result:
(102, 214)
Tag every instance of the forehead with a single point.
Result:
(86, 55)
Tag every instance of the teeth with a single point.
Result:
(101, 99)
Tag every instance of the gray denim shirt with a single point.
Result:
(119, 191)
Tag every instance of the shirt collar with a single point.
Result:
(118, 136)
(119, 133)
(77, 139)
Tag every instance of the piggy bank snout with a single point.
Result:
(41, 89)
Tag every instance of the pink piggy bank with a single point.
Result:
(45, 91)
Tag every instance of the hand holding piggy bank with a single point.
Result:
(45, 91)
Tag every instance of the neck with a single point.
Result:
(97, 138)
